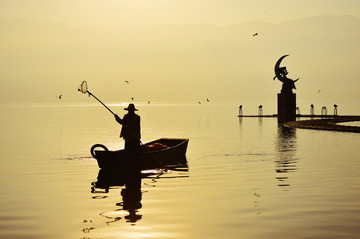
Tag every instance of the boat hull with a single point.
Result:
(147, 158)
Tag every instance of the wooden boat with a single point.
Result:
(161, 153)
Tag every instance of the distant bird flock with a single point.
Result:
(132, 98)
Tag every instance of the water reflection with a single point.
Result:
(129, 184)
(285, 154)
(131, 197)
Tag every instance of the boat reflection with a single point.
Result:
(286, 154)
(129, 182)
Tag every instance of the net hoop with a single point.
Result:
(83, 88)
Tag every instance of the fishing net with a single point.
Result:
(83, 87)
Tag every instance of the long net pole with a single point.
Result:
(83, 88)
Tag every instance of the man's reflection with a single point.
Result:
(131, 203)
(131, 196)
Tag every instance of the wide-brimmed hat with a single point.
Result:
(131, 107)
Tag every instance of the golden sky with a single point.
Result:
(120, 13)
(178, 50)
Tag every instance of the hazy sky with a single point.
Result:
(119, 13)
(176, 56)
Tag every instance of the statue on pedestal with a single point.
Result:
(286, 98)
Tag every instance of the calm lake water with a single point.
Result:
(248, 178)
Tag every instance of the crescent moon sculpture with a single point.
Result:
(280, 73)
(277, 68)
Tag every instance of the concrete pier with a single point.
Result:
(318, 122)
(327, 123)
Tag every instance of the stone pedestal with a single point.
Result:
(286, 107)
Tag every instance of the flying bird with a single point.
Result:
(207, 99)
(60, 97)
(255, 34)
(132, 98)
(199, 103)
(127, 81)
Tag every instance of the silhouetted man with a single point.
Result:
(130, 130)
